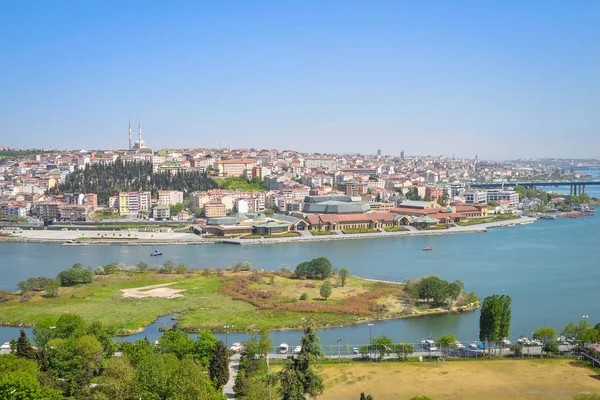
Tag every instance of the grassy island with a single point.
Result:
(209, 299)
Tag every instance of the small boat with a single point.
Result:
(427, 248)
(547, 216)
(297, 349)
(157, 252)
(283, 348)
(237, 347)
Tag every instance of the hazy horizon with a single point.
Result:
(502, 80)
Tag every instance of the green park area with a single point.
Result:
(131, 298)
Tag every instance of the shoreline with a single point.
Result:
(73, 238)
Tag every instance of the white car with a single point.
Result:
(297, 349)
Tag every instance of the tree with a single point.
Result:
(545, 334)
(23, 386)
(403, 350)
(365, 397)
(343, 274)
(446, 343)
(582, 332)
(298, 376)
(318, 268)
(24, 348)
(219, 365)
(75, 275)
(382, 345)
(176, 342)
(206, 344)
(51, 288)
(241, 387)
(264, 343)
(117, 379)
(432, 287)
(494, 320)
(326, 290)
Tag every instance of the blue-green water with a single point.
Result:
(550, 268)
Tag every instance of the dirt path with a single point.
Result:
(161, 291)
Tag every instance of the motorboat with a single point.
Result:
(283, 348)
(355, 350)
(506, 342)
(297, 349)
(236, 347)
(428, 248)
(459, 345)
(5, 346)
(157, 252)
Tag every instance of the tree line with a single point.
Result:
(123, 176)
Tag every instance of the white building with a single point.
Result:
(241, 206)
(503, 195)
(475, 197)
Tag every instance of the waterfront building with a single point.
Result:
(498, 195)
(91, 200)
(475, 197)
(340, 222)
(333, 205)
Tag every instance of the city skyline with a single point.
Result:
(503, 81)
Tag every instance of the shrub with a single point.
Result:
(25, 297)
(207, 272)
(33, 284)
(326, 290)
(304, 296)
(241, 266)
(181, 268)
(5, 295)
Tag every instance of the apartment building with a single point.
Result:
(131, 203)
(212, 210)
(170, 197)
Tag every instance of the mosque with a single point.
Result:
(139, 144)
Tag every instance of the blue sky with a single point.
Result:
(501, 79)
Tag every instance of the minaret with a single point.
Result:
(140, 133)
(129, 134)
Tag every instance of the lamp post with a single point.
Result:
(227, 333)
(339, 342)
(370, 325)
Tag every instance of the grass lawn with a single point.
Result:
(395, 229)
(360, 230)
(244, 299)
(271, 236)
(466, 380)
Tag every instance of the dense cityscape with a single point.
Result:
(370, 191)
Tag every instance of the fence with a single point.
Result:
(458, 350)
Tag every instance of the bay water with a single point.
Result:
(550, 268)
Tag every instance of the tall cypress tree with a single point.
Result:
(24, 348)
(218, 367)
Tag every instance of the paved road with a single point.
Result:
(234, 365)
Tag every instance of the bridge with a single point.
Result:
(576, 187)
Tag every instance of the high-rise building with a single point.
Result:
(402, 154)
(378, 152)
